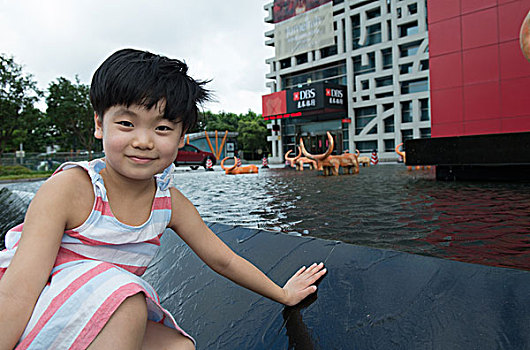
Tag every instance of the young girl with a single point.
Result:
(70, 273)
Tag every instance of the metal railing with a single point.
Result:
(45, 161)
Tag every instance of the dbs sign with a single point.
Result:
(305, 98)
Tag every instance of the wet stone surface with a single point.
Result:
(370, 298)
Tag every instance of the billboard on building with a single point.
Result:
(312, 30)
(312, 97)
(285, 9)
(273, 104)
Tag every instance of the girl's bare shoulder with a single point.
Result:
(72, 191)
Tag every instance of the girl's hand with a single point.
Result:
(301, 284)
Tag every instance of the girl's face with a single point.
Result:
(138, 143)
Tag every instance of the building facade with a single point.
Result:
(378, 53)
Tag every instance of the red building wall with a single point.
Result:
(479, 78)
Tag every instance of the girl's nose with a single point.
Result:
(142, 140)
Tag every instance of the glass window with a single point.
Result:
(389, 124)
(373, 130)
(413, 9)
(373, 13)
(365, 84)
(369, 68)
(356, 31)
(363, 116)
(328, 51)
(373, 34)
(384, 81)
(406, 112)
(387, 58)
(285, 63)
(334, 74)
(413, 86)
(390, 146)
(300, 59)
(424, 65)
(405, 68)
(425, 133)
(406, 135)
(424, 109)
(409, 49)
(408, 29)
(366, 146)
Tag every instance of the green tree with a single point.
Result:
(18, 94)
(70, 114)
(35, 137)
(251, 127)
(252, 136)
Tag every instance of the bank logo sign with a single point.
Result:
(316, 96)
(305, 98)
(311, 30)
(334, 96)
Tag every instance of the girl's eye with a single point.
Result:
(163, 128)
(125, 123)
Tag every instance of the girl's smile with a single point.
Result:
(138, 142)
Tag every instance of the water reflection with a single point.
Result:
(384, 206)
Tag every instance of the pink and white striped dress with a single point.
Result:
(97, 268)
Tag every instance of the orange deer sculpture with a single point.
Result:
(330, 164)
(299, 161)
(235, 170)
(365, 161)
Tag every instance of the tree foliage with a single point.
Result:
(70, 114)
(18, 95)
(251, 128)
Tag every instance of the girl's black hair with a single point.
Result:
(130, 76)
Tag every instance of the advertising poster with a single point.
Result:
(285, 9)
(312, 30)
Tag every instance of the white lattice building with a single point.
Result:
(381, 55)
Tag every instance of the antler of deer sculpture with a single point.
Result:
(235, 170)
(330, 164)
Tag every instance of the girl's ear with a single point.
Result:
(98, 127)
(181, 142)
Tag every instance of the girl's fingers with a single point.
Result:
(313, 269)
(299, 272)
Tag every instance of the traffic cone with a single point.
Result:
(238, 162)
(264, 163)
(209, 165)
(374, 160)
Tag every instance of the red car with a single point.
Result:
(194, 157)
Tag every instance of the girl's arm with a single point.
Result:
(46, 219)
(186, 221)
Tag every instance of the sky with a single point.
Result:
(219, 40)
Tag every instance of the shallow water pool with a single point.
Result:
(384, 206)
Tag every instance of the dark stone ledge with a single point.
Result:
(370, 298)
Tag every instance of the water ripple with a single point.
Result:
(384, 206)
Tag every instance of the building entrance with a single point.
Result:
(318, 143)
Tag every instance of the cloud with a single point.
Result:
(220, 40)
